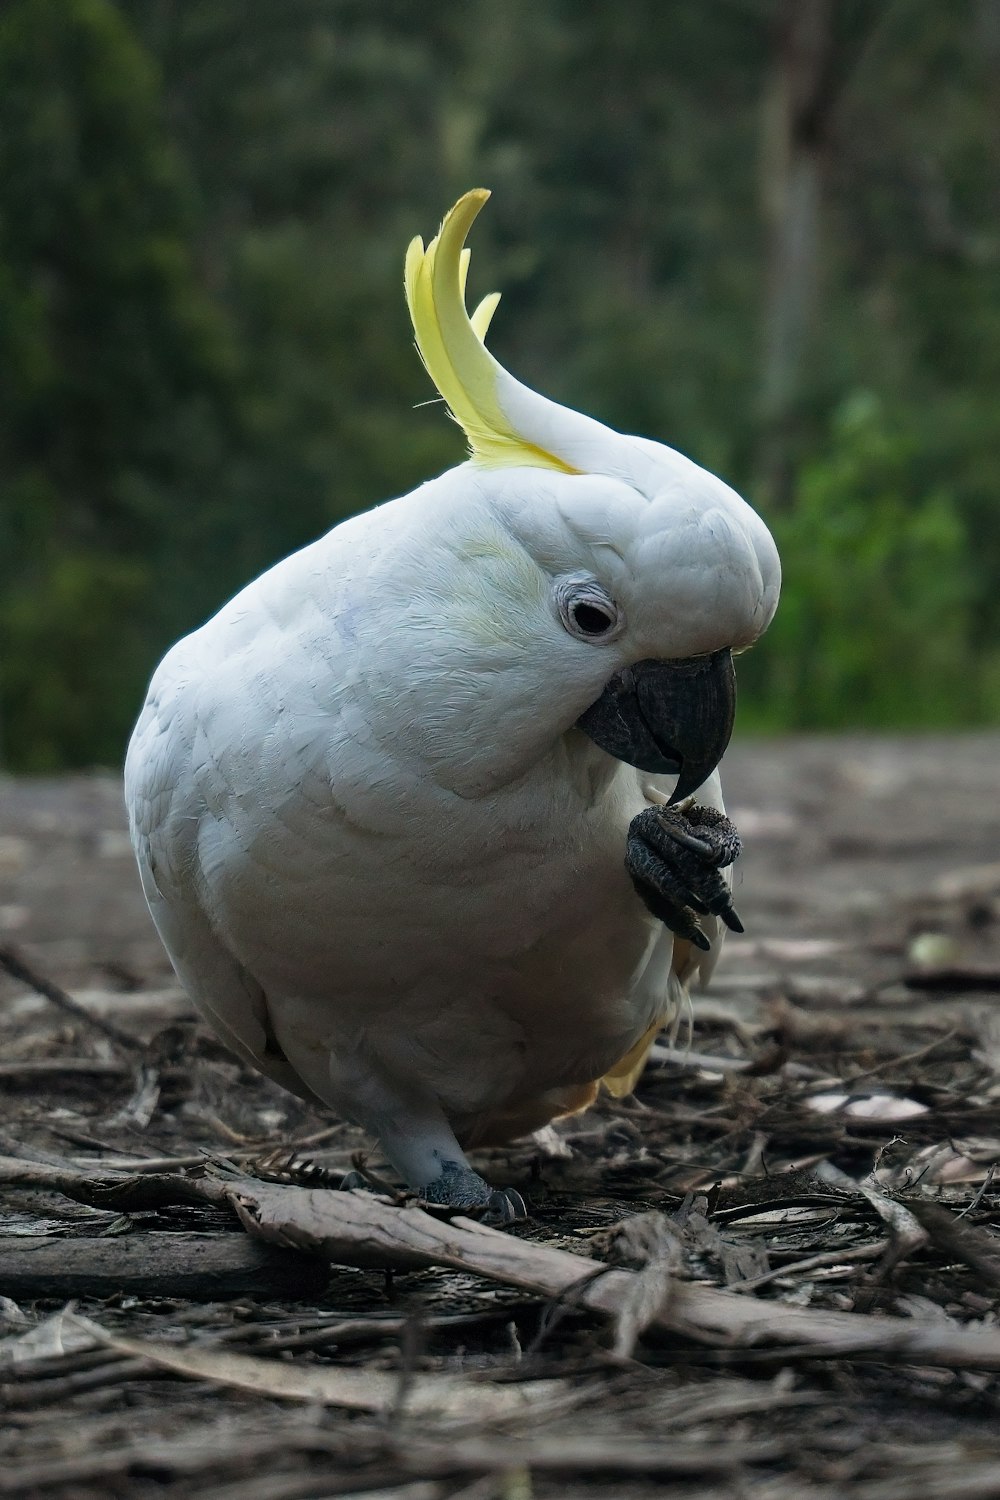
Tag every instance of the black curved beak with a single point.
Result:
(671, 717)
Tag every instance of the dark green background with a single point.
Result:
(766, 231)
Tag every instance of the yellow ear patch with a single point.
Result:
(451, 343)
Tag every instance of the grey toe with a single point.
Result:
(459, 1187)
(506, 1206)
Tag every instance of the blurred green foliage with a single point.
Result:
(875, 625)
(206, 358)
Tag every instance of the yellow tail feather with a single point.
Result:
(623, 1077)
(451, 344)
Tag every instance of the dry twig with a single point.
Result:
(358, 1229)
(18, 969)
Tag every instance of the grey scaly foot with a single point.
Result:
(459, 1187)
(675, 860)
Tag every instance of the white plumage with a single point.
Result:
(385, 863)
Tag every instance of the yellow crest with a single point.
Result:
(451, 343)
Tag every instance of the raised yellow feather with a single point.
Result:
(451, 343)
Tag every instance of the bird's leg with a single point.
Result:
(427, 1154)
(676, 861)
(421, 1145)
(458, 1186)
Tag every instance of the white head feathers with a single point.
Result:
(669, 502)
(505, 422)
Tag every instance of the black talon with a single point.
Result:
(506, 1206)
(675, 860)
(689, 841)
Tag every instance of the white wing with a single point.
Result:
(164, 818)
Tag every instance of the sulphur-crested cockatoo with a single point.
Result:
(410, 810)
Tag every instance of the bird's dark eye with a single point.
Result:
(586, 609)
(590, 620)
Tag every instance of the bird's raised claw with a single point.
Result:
(675, 859)
(688, 841)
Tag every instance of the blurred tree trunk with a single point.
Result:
(798, 106)
(988, 36)
(818, 45)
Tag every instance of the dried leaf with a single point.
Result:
(885, 1109)
(54, 1338)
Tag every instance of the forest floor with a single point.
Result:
(773, 1272)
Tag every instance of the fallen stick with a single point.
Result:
(18, 969)
(332, 1385)
(822, 1261)
(30, 1069)
(167, 1004)
(201, 1267)
(963, 978)
(978, 1247)
(907, 1233)
(358, 1229)
(356, 1458)
(127, 1192)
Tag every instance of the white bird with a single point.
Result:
(401, 807)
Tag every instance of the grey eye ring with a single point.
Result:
(587, 611)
